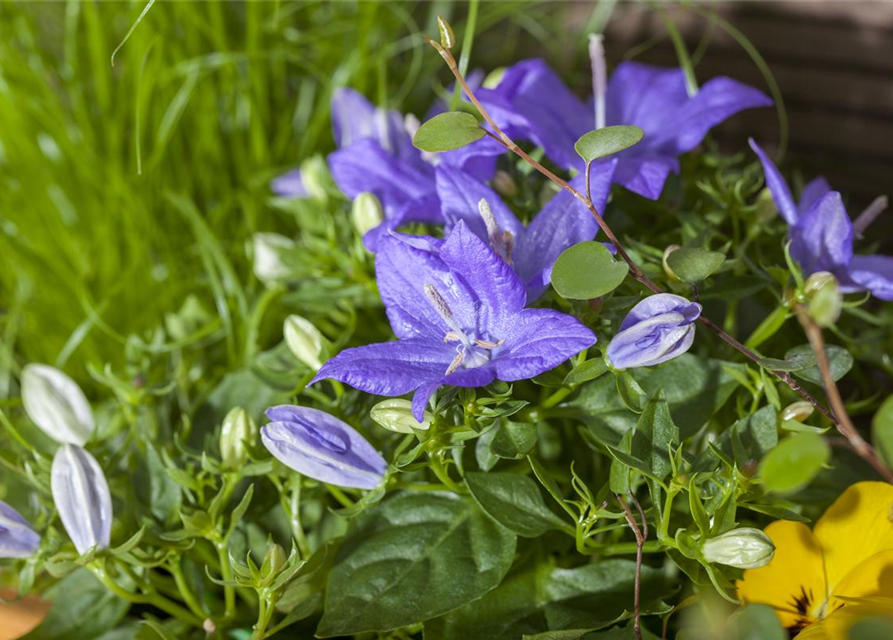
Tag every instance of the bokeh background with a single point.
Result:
(128, 185)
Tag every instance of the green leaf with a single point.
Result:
(754, 622)
(515, 502)
(694, 265)
(619, 476)
(412, 557)
(630, 392)
(757, 433)
(794, 462)
(798, 362)
(155, 487)
(514, 440)
(839, 360)
(871, 628)
(882, 430)
(82, 608)
(654, 435)
(589, 370)
(448, 131)
(587, 270)
(606, 141)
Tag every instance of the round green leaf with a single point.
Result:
(694, 265)
(794, 462)
(839, 360)
(607, 140)
(587, 270)
(882, 430)
(448, 131)
(755, 622)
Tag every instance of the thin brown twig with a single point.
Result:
(640, 543)
(844, 424)
(500, 136)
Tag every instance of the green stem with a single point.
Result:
(557, 397)
(443, 475)
(623, 548)
(176, 570)
(467, 40)
(264, 614)
(226, 572)
(256, 317)
(338, 494)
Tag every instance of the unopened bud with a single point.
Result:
(366, 213)
(82, 498)
(315, 175)
(396, 415)
(238, 433)
(304, 341)
(447, 37)
(274, 561)
(670, 273)
(504, 184)
(744, 548)
(798, 411)
(56, 404)
(271, 252)
(493, 78)
(825, 299)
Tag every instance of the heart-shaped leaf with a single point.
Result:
(607, 140)
(694, 265)
(448, 131)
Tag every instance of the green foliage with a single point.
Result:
(794, 462)
(694, 265)
(607, 141)
(586, 271)
(448, 131)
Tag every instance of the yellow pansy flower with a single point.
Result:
(823, 580)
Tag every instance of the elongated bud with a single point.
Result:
(504, 184)
(366, 212)
(320, 446)
(825, 299)
(56, 404)
(447, 37)
(745, 548)
(82, 498)
(17, 538)
(304, 341)
(315, 175)
(670, 273)
(395, 414)
(271, 256)
(797, 411)
(657, 329)
(239, 432)
(274, 561)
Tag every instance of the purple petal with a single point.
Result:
(779, 189)
(816, 188)
(822, 239)
(660, 304)
(645, 96)
(651, 341)
(873, 273)
(459, 194)
(290, 185)
(17, 538)
(390, 368)
(539, 340)
(479, 377)
(354, 119)
(645, 175)
(322, 447)
(498, 290)
(477, 159)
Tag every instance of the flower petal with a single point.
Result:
(778, 187)
(82, 497)
(816, 188)
(56, 404)
(645, 96)
(645, 175)
(477, 158)
(822, 239)
(478, 377)
(837, 624)
(390, 368)
(538, 340)
(873, 273)
(459, 194)
(290, 185)
(659, 304)
(17, 538)
(354, 118)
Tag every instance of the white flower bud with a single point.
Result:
(825, 299)
(82, 497)
(56, 404)
(366, 212)
(270, 263)
(797, 411)
(239, 431)
(670, 273)
(304, 341)
(745, 548)
(396, 415)
(315, 175)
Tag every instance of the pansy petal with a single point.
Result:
(460, 193)
(475, 266)
(290, 185)
(795, 575)
(873, 273)
(856, 526)
(390, 368)
(816, 188)
(873, 577)
(778, 187)
(822, 239)
(836, 625)
(478, 377)
(538, 340)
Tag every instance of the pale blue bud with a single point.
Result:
(17, 538)
(659, 328)
(82, 498)
(56, 404)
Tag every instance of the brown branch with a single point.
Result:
(844, 425)
(640, 543)
(500, 136)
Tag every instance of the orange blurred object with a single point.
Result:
(18, 617)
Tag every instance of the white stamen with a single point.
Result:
(456, 363)
(599, 76)
(872, 211)
(489, 219)
(381, 125)
(443, 310)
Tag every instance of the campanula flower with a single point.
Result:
(822, 580)
(320, 446)
(458, 310)
(56, 404)
(532, 103)
(82, 498)
(531, 251)
(657, 329)
(375, 155)
(821, 234)
(17, 538)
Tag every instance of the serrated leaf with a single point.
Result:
(448, 131)
(587, 270)
(694, 265)
(794, 462)
(515, 502)
(606, 141)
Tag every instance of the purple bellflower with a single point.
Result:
(821, 234)
(322, 447)
(532, 103)
(17, 538)
(531, 251)
(457, 309)
(375, 155)
(659, 328)
(82, 498)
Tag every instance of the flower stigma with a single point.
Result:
(470, 352)
(503, 242)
